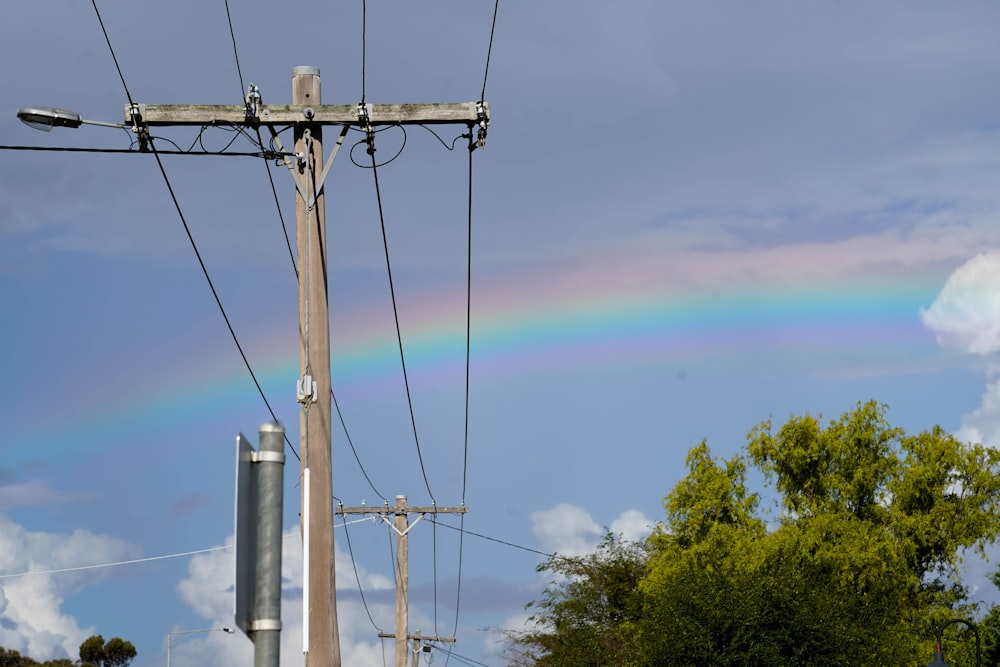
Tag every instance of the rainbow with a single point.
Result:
(538, 326)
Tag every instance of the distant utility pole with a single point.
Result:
(401, 526)
(321, 642)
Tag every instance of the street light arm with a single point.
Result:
(191, 632)
(170, 636)
(101, 123)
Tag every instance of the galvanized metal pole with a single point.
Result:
(270, 463)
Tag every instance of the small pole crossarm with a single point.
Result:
(374, 509)
(427, 638)
(384, 513)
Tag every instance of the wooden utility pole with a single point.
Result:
(321, 643)
(307, 114)
(401, 526)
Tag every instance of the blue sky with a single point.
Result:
(688, 218)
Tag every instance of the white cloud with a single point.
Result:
(566, 529)
(633, 525)
(31, 617)
(571, 531)
(965, 317)
(208, 590)
(966, 314)
(982, 425)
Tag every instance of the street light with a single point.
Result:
(45, 118)
(171, 635)
(939, 656)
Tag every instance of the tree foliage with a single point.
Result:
(116, 652)
(92, 650)
(584, 616)
(857, 563)
(12, 658)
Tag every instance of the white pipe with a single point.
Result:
(305, 561)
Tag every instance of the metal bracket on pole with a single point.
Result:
(139, 127)
(365, 120)
(265, 624)
(483, 115)
(300, 185)
(267, 457)
(329, 163)
(396, 530)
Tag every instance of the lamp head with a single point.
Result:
(45, 118)
(938, 658)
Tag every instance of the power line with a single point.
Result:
(260, 140)
(468, 357)
(236, 53)
(364, 47)
(350, 442)
(107, 39)
(286, 535)
(148, 559)
(215, 293)
(395, 313)
(497, 540)
(115, 564)
(468, 320)
(489, 51)
(354, 564)
(468, 338)
(187, 229)
(267, 155)
(465, 660)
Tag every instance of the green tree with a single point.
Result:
(857, 563)
(92, 650)
(712, 495)
(118, 652)
(936, 495)
(115, 653)
(586, 615)
(11, 658)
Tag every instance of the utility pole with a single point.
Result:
(308, 115)
(418, 638)
(401, 526)
(320, 632)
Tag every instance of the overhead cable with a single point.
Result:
(395, 314)
(187, 229)
(489, 50)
